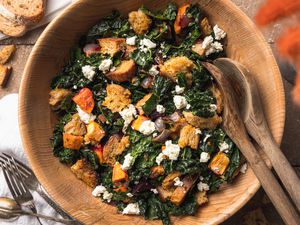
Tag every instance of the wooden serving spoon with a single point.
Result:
(250, 106)
(235, 129)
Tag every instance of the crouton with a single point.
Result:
(5, 72)
(117, 98)
(164, 194)
(6, 53)
(217, 94)
(201, 122)
(139, 22)
(177, 126)
(111, 46)
(142, 102)
(206, 27)
(180, 192)
(197, 47)
(219, 163)
(129, 50)
(84, 99)
(57, 96)
(114, 146)
(118, 174)
(180, 64)
(169, 179)
(84, 171)
(75, 126)
(181, 20)
(72, 141)
(156, 171)
(124, 72)
(201, 197)
(94, 133)
(188, 137)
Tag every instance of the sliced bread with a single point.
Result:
(28, 11)
(10, 28)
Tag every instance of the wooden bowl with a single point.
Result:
(245, 44)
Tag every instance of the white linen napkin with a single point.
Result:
(53, 8)
(10, 142)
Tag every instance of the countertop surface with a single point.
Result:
(259, 210)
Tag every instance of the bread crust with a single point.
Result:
(10, 28)
(124, 72)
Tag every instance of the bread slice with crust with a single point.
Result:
(10, 28)
(27, 11)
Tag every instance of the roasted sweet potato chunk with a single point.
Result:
(72, 141)
(219, 163)
(180, 192)
(84, 99)
(136, 124)
(98, 149)
(181, 20)
(119, 174)
(124, 72)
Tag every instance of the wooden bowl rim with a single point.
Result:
(24, 131)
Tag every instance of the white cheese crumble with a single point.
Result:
(105, 65)
(131, 40)
(85, 117)
(129, 195)
(198, 131)
(160, 109)
(89, 72)
(128, 160)
(223, 146)
(244, 168)
(159, 158)
(178, 89)
(180, 101)
(154, 70)
(206, 137)
(201, 178)
(204, 157)
(219, 33)
(213, 107)
(154, 190)
(147, 43)
(178, 182)
(202, 186)
(147, 127)
(207, 42)
(128, 115)
(188, 106)
(98, 191)
(131, 209)
(215, 47)
(154, 135)
(171, 150)
(107, 196)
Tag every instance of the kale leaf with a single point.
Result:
(168, 14)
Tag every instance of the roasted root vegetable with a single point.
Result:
(188, 137)
(124, 72)
(57, 96)
(219, 163)
(139, 21)
(142, 102)
(117, 97)
(118, 174)
(84, 99)
(75, 126)
(169, 179)
(180, 192)
(84, 171)
(121, 188)
(157, 171)
(136, 124)
(98, 149)
(181, 21)
(111, 46)
(72, 141)
(94, 133)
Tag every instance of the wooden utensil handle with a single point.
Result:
(270, 184)
(261, 134)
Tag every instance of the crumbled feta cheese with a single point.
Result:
(154, 190)
(188, 106)
(154, 70)
(160, 109)
(206, 137)
(132, 209)
(129, 195)
(85, 117)
(127, 162)
(202, 186)
(154, 135)
(105, 65)
(147, 127)
(128, 115)
(178, 182)
(89, 72)
(207, 42)
(159, 158)
(180, 101)
(213, 107)
(201, 178)
(143, 49)
(198, 131)
(244, 168)
(219, 33)
(113, 69)
(107, 196)
(223, 146)
(98, 191)
(171, 150)
(214, 48)
(131, 40)
(204, 157)
(178, 89)
(75, 87)
(147, 43)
